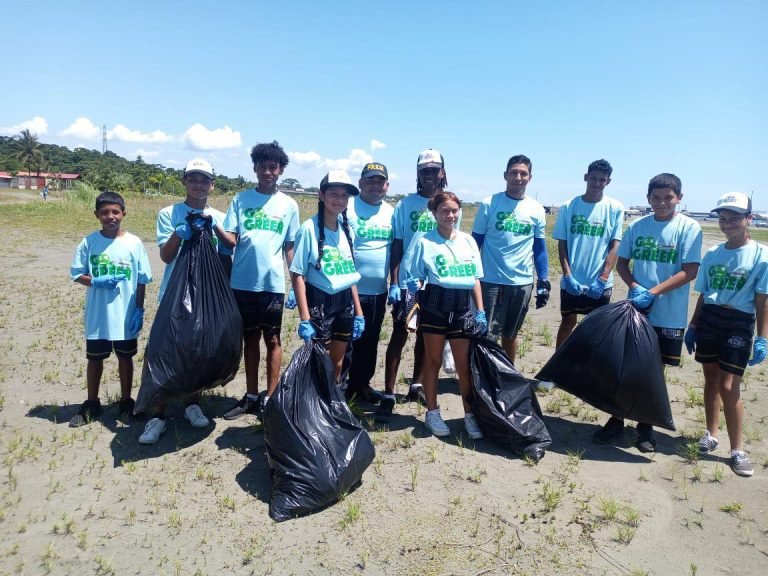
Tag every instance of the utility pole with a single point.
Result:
(103, 138)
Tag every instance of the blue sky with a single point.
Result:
(651, 86)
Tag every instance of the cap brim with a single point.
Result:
(353, 191)
(429, 165)
(203, 172)
(372, 173)
(737, 209)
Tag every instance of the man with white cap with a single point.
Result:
(172, 230)
(412, 219)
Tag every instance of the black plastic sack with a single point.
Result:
(196, 338)
(315, 446)
(612, 361)
(504, 402)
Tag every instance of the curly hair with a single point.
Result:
(600, 166)
(271, 152)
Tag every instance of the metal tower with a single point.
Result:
(103, 138)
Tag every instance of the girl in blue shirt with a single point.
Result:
(323, 271)
(450, 262)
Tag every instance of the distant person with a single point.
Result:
(44, 193)
(323, 272)
(172, 230)
(412, 219)
(113, 264)
(509, 229)
(665, 251)
(449, 261)
(733, 302)
(261, 224)
(588, 230)
(371, 221)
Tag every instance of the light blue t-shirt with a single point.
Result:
(167, 220)
(658, 251)
(373, 240)
(412, 219)
(448, 263)
(509, 227)
(733, 277)
(263, 223)
(337, 269)
(589, 228)
(108, 312)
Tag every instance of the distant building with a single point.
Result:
(35, 180)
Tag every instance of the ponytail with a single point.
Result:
(320, 233)
(345, 227)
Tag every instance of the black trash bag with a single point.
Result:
(196, 339)
(612, 361)
(504, 402)
(316, 448)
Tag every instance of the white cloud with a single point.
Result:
(377, 145)
(394, 176)
(123, 134)
(82, 128)
(356, 158)
(198, 137)
(172, 162)
(38, 125)
(146, 153)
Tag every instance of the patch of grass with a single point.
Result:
(352, 515)
(733, 508)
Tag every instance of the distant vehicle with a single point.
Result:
(760, 223)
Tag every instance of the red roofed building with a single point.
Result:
(37, 180)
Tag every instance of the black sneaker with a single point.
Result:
(246, 405)
(610, 433)
(383, 413)
(416, 394)
(126, 407)
(366, 393)
(89, 411)
(645, 440)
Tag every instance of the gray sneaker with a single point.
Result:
(708, 443)
(741, 465)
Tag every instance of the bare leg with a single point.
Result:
(125, 369)
(93, 378)
(274, 357)
(433, 358)
(733, 407)
(392, 360)
(336, 350)
(510, 347)
(712, 400)
(252, 357)
(567, 324)
(460, 350)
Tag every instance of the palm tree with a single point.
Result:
(26, 149)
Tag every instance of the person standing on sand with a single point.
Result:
(588, 230)
(509, 229)
(733, 302)
(172, 231)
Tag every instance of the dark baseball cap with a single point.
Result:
(374, 169)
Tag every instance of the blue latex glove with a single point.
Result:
(571, 286)
(108, 281)
(413, 285)
(759, 351)
(636, 291)
(482, 322)
(643, 301)
(358, 327)
(137, 321)
(306, 330)
(184, 231)
(394, 294)
(290, 302)
(690, 339)
(595, 291)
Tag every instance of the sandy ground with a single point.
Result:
(93, 501)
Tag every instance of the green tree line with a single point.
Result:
(106, 171)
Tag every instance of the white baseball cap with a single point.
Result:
(736, 201)
(430, 158)
(338, 178)
(200, 166)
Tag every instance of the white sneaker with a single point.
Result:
(435, 423)
(152, 431)
(472, 427)
(195, 415)
(449, 367)
(545, 385)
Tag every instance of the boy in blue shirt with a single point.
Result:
(509, 229)
(261, 224)
(733, 303)
(588, 230)
(665, 249)
(113, 264)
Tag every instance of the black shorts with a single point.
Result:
(505, 307)
(724, 335)
(332, 315)
(446, 311)
(582, 304)
(260, 311)
(101, 349)
(670, 344)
